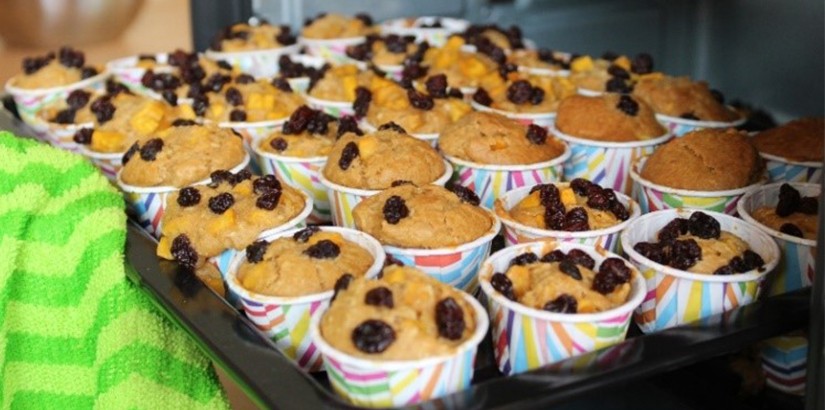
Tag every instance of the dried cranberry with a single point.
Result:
(319, 123)
(285, 37)
(237, 115)
(268, 200)
(449, 317)
(392, 126)
(684, 254)
(78, 99)
(526, 258)
(580, 257)
(642, 64)
(704, 226)
(361, 105)
(323, 249)
(576, 220)
(465, 194)
(103, 109)
(221, 202)
(598, 200)
(278, 144)
(349, 153)
(265, 184)
(256, 250)
(170, 97)
(298, 120)
(342, 283)
(244, 79)
(413, 70)
(380, 296)
(200, 104)
(129, 152)
(738, 265)
(519, 91)
(437, 86)
(673, 229)
(808, 205)
(419, 100)
(549, 195)
(501, 283)
(554, 256)
(150, 150)
(554, 218)
(652, 251)
(536, 135)
(65, 116)
(569, 268)
(395, 209)
(189, 196)
(304, 234)
(84, 136)
(789, 200)
(373, 336)
(183, 252)
(347, 124)
(617, 85)
(791, 229)
(580, 186)
(563, 304)
(233, 96)
(619, 211)
(628, 105)
(113, 88)
(612, 273)
(724, 270)
(752, 259)
(482, 97)
(70, 57)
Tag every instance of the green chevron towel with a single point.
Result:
(74, 333)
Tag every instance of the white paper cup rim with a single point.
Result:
(518, 167)
(129, 63)
(638, 165)
(746, 215)
(635, 212)
(328, 103)
(85, 151)
(422, 136)
(637, 291)
(248, 124)
(448, 173)
(222, 55)
(609, 144)
(588, 93)
(331, 41)
(168, 188)
(256, 147)
(811, 164)
(771, 259)
(398, 24)
(14, 90)
(514, 115)
(491, 233)
(700, 123)
(546, 72)
(69, 127)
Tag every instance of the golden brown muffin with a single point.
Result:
(682, 97)
(229, 213)
(180, 77)
(705, 160)
(333, 26)
(608, 117)
(542, 59)
(434, 217)
(521, 93)
(65, 67)
(793, 214)
(392, 103)
(404, 304)
(800, 140)
(180, 156)
(339, 83)
(310, 262)
(251, 102)
(462, 69)
(297, 139)
(244, 37)
(591, 74)
(490, 138)
(391, 49)
(376, 160)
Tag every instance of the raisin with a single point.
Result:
(549, 195)
(298, 120)
(808, 205)
(129, 152)
(241, 176)
(278, 144)
(642, 64)
(652, 251)
(216, 81)
(170, 97)
(256, 250)
(360, 52)
(610, 55)
(612, 273)
(399, 182)
(563, 304)
(738, 265)
(628, 105)
(791, 229)
(361, 105)
(78, 99)
(392, 126)
(103, 109)
(342, 284)
(395, 209)
(437, 86)
(555, 256)
(789, 199)
(718, 96)
(536, 96)
(617, 85)
(32, 65)
(455, 93)
(684, 254)
(482, 97)
(237, 115)
(380, 296)
(183, 252)
(150, 150)
(319, 123)
(189, 196)
(348, 154)
(200, 104)
(704, 226)
(536, 135)
(220, 176)
(618, 72)
(265, 184)
(323, 249)
(569, 268)
(304, 234)
(580, 186)
(113, 88)
(84, 136)
(269, 200)
(70, 57)
(673, 229)
(192, 73)
(221, 202)
(419, 100)
(619, 211)
(505, 69)
(365, 18)
(244, 79)
(347, 124)
(65, 116)
(689, 116)
(576, 220)
(526, 258)
(752, 259)
(465, 194)
(234, 96)
(282, 84)
(391, 260)
(580, 257)
(450, 319)
(373, 336)
(519, 91)
(285, 37)
(724, 270)
(598, 200)
(501, 283)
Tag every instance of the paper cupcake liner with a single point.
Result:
(331, 50)
(431, 138)
(436, 37)
(343, 199)
(62, 135)
(257, 63)
(784, 362)
(126, 71)
(456, 266)
(30, 101)
(372, 383)
(798, 256)
(516, 233)
(680, 126)
(148, 204)
(544, 72)
(605, 163)
(677, 297)
(783, 170)
(336, 109)
(300, 85)
(108, 163)
(654, 197)
(525, 338)
(286, 320)
(588, 93)
(542, 119)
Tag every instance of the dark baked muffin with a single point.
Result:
(800, 140)
(609, 117)
(682, 97)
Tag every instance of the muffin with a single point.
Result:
(794, 214)
(610, 73)
(483, 35)
(375, 161)
(801, 140)
(541, 61)
(490, 138)
(389, 50)
(463, 69)
(181, 155)
(518, 93)
(340, 82)
(699, 245)
(427, 217)
(248, 101)
(334, 26)
(405, 315)
(75, 108)
(705, 160)
(609, 117)
(308, 133)
(66, 67)
(187, 76)
(246, 37)
(683, 98)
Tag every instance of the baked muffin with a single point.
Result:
(705, 160)
(181, 155)
(391, 49)
(187, 75)
(611, 73)
(340, 82)
(245, 37)
(229, 213)
(54, 70)
(580, 206)
(608, 117)
(70, 110)
(519, 93)
(794, 214)
(490, 138)
(483, 35)
(463, 69)
(542, 59)
(565, 282)
(376, 160)
(800, 140)
(308, 133)
(698, 245)
(405, 315)
(334, 26)
(684, 98)
(249, 101)
(428, 216)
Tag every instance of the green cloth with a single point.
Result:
(74, 332)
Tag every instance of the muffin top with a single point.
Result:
(541, 58)
(245, 37)
(251, 102)
(189, 75)
(54, 70)
(391, 49)
(229, 213)
(340, 82)
(308, 133)
(611, 73)
(376, 160)
(486, 35)
(463, 69)
(181, 155)
(800, 140)
(682, 97)
(608, 117)
(565, 282)
(491, 138)
(309, 262)
(581, 206)
(699, 245)
(520, 93)
(332, 26)
(793, 214)
(428, 216)
(705, 160)
(405, 315)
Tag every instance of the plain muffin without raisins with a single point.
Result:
(682, 97)
(608, 117)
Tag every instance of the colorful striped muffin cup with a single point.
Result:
(435, 36)
(543, 119)
(109, 163)
(147, 204)
(300, 85)
(62, 135)
(456, 266)
(797, 266)
(343, 199)
(431, 138)
(257, 63)
(375, 383)
(784, 170)
(394, 72)
(286, 319)
(516, 232)
(676, 297)
(784, 362)
(525, 338)
(127, 71)
(655, 197)
(681, 126)
(332, 50)
(605, 163)
(588, 93)
(252, 131)
(337, 109)
(30, 101)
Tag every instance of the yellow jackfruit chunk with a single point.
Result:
(349, 84)
(472, 67)
(520, 276)
(622, 62)
(222, 223)
(394, 274)
(531, 201)
(256, 277)
(568, 197)
(164, 248)
(582, 63)
(147, 119)
(107, 141)
(367, 146)
(330, 236)
(216, 109)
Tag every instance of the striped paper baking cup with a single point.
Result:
(30, 101)
(784, 170)
(431, 138)
(336, 109)
(257, 63)
(332, 50)
(543, 119)
(62, 135)
(785, 362)
(435, 36)
(680, 126)
(126, 71)
(109, 163)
